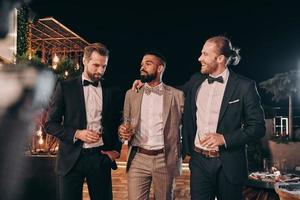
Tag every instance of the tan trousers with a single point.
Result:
(143, 170)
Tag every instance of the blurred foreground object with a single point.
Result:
(6, 6)
(24, 92)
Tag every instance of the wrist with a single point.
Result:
(77, 134)
(117, 153)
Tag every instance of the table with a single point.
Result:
(285, 194)
(259, 190)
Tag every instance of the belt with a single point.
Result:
(207, 153)
(148, 152)
(91, 150)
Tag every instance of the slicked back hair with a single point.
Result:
(98, 47)
(225, 48)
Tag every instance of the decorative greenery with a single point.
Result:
(22, 31)
(34, 61)
(66, 69)
(283, 86)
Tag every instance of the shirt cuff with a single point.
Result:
(224, 142)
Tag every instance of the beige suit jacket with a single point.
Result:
(173, 103)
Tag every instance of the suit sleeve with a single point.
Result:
(126, 108)
(188, 85)
(118, 110)
(253, 120)
(53, 125)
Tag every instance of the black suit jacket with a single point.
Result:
(67, 113)
(241, 120)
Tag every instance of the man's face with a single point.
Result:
(149, 68)
(95, 66)
(208, 58)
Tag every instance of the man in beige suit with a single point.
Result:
(155, 144)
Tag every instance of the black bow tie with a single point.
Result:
(86, 83)
(219, 79)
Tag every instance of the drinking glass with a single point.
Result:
(129, 123)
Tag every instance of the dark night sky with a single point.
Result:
(267, 32)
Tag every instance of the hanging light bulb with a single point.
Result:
(77, 66)
(39, 132)
(55, 58)
(41, 140)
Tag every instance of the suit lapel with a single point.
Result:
(104, 98)
(81, 101)
(167, 99)
(230, 87)
(136, 105)
(194, 95)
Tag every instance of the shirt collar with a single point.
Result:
(88, 79)
(224, 75)
(159, 86)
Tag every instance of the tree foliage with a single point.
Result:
(282, 85)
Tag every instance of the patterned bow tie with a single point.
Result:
(155, 90)
(87, 83)
(210, 79)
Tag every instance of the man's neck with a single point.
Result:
(218, 72)
(154, 83)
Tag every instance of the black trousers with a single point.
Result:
(96, 169)
(209, 181)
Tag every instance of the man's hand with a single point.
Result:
(124, 132)
(137, 84)
(113, 155)
(87, 136)
(211, 140)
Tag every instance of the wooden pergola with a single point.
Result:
(48, 37)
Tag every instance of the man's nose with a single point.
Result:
(200, 58)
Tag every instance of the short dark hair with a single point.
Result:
(161, 57)
(98, 47)
(225, 48)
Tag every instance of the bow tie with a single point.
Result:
(210, 79)
(86, 83)
(155, 90)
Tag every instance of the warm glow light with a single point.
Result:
(55, 59)
(39, 132)
(41, 141)
(77, 66)
(54, 66)
(66, 73)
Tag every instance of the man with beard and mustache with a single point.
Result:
(155, 144)
(84, 115)
(222, 113)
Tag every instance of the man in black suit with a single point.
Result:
(84, 115)
(222, 114)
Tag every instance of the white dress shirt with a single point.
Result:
(208, 102)
(150, 130)
(93, 107)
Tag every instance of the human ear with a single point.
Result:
(160, 68)
(221, 58)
